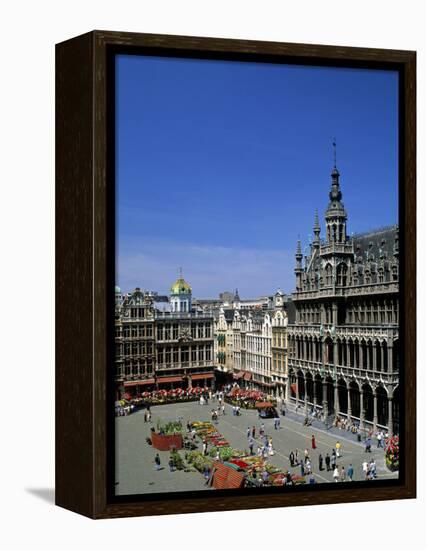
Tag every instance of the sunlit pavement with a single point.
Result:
(135, 472)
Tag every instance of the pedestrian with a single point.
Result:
(204, 448)
(291, 458)
(313, 442)
(253, 432)
(171, 464)
(308, 467)
(342, 474)
(336, 474)
(302, 469)
(223, 409)
(379, 439)
(320, 463)
(248, 432)
(278, 423)
(350, 472)
(327, 462)
(296, 456)
(333, 461)
(157, 462)
(338, 449)
(251, 445)
(368, 445)
(145, 416)
(306, 455)
(373, 468)
(365, 469)
(262, 430)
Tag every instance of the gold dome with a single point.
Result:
(181, 287)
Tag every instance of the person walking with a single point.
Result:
(262, 430)
(302, 469)
(291, 458)
(248, 433)
(171, 464)
(365, 469)
(373, 471)
(333, 460)
(157, 462)
(253, 432)
(320, 463)
(251, 445)
(313, 442)
(338, 449)
(342, 474)
(336, 474)
(350, 472)
(327, 462)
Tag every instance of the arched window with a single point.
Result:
(328, 275)
(342, 274)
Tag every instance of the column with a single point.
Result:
(335, 358)
(348, 354)
(374, 356)
(390, 356)
(361, 408)
(297, 391)
(375, 411)
(349, 403)
(382, 356)
(336, 399)
(306, 395)
(324, 401)
(390, 416)
(314, 386)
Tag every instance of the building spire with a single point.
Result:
(335, 152)
(317, 229)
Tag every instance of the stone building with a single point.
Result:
(279, 349)
(134, 342)
(162, 348)
(184, 342)
(344, 344)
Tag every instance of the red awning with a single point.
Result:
(139, 382)
(202, 376)
(263, 405)
(169, 379)
(247, 376)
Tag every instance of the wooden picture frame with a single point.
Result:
(85, 254)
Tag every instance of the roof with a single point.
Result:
(180, 286)
(376, 244)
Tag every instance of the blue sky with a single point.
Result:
(221, 165)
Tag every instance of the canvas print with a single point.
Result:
(257, 276)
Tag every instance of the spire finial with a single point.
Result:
(316, 220)
(180, 273)
(335, 152)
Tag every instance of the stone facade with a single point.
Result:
(344, 344)
(162, 349)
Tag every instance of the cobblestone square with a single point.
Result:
(135, 471)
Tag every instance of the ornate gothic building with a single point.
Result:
(343, 346)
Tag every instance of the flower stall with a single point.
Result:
(392, 453)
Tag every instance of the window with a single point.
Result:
(175, 332)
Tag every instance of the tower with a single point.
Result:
(335, 216)
(181, 295)
(298, 269)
